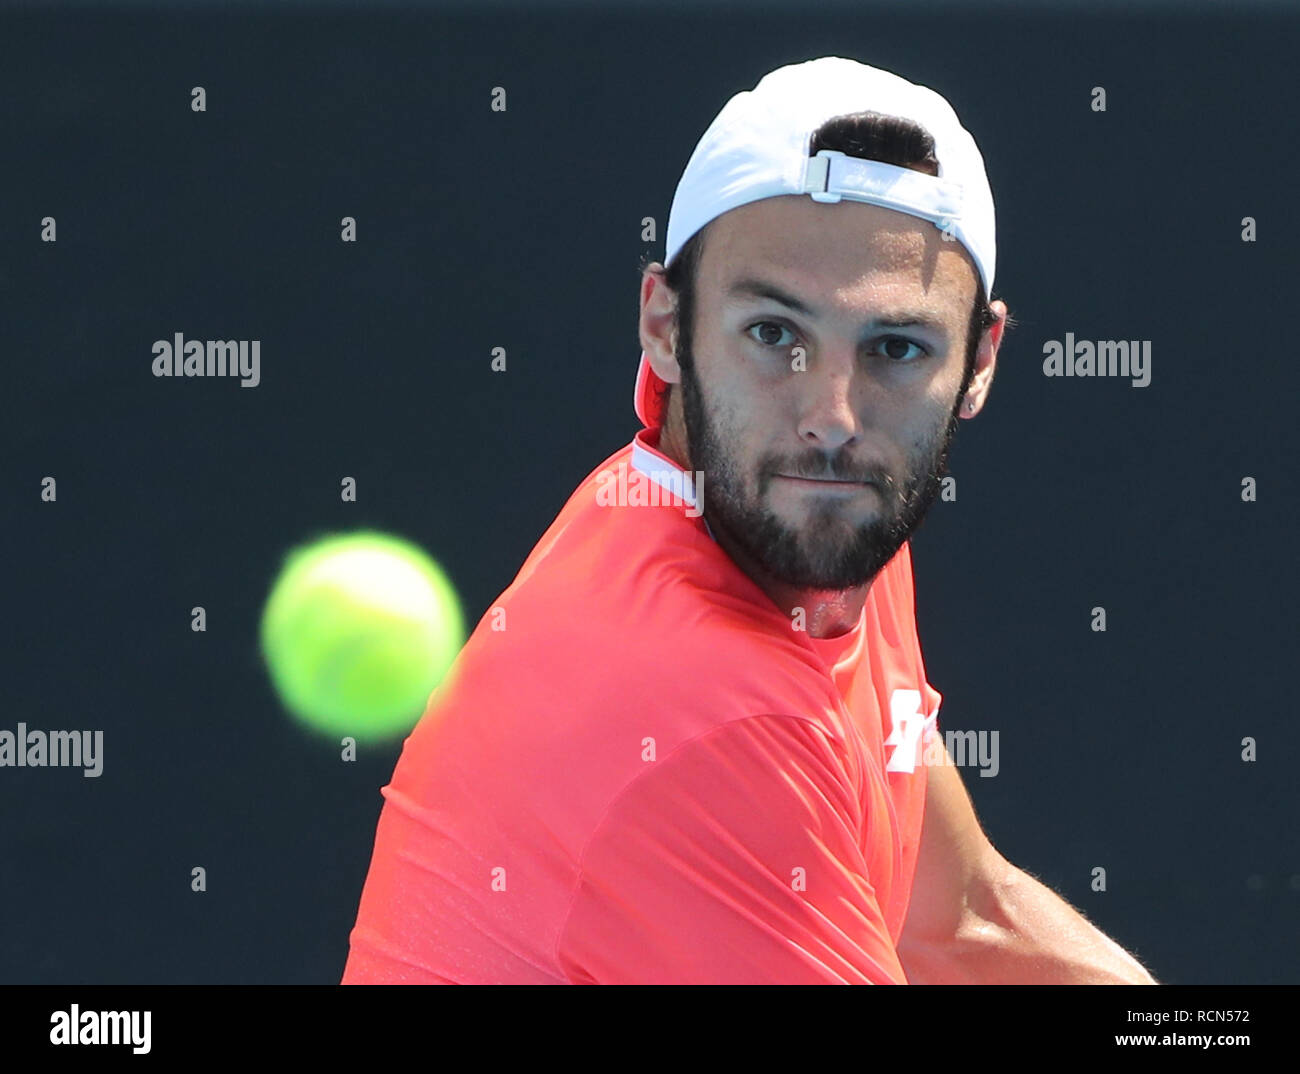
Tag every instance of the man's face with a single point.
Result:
(823, 433)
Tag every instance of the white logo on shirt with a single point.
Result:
(907, 727)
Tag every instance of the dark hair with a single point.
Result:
(868, 135)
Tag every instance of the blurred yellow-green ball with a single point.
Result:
(357, 632)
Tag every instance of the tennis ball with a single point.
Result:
(357, 632)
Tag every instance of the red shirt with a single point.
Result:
(638, 771)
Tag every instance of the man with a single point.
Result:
(689, 743)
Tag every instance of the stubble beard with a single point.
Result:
(827, 553)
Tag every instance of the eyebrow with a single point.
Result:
(754, 287)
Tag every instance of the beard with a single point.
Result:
(827, 552)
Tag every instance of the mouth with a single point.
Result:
(820, 484)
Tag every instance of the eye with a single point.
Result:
(771, 329)
(770, 333)
(893, 342)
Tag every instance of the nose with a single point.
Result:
(828, 420)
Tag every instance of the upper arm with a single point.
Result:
(957, 868)
(733, 859)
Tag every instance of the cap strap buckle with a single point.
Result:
(831, 175)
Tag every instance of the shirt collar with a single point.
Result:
(649, 461)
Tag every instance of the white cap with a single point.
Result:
(757, 147)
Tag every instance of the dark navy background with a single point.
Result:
(522, 230)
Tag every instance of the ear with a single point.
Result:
(986, 357)
(657, 324)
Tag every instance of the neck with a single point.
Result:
(827, 613)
